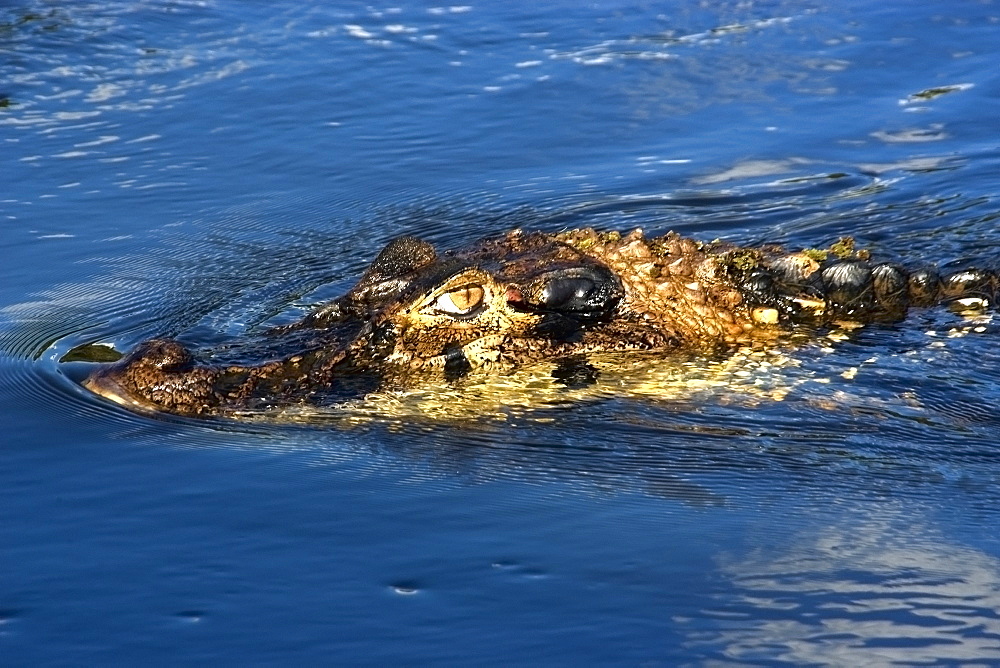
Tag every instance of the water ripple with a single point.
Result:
(698, 430)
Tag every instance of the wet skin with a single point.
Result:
(504, 302)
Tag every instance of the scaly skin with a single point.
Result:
(522, 298)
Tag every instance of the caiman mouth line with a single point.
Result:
(418, 319)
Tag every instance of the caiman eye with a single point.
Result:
(461, 301)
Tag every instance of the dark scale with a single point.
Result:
(924, 287)
(763, 287)
(969, 283)
(891, 286)
(847, 286)
(456, 364)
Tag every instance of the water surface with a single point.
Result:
(196, 169)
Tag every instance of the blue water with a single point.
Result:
(196, 168)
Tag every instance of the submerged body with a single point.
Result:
(502, 303)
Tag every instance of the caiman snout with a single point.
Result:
(107, 385)
(158, 374)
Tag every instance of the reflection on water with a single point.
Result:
(884, 588)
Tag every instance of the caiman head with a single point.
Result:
(521, 298)
(414, 314)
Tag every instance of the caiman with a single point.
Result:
(522, 298)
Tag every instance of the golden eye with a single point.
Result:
(461, 301)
